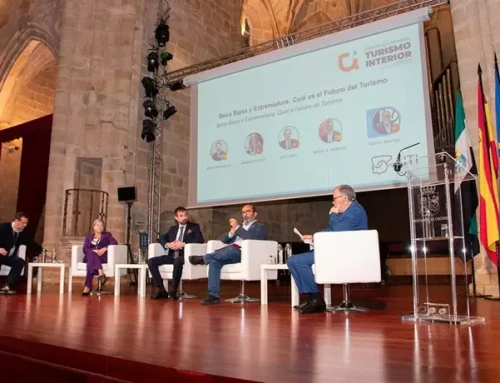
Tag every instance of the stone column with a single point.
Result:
(96, 107)
(476, 26)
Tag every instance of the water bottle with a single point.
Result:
(280, 254)
(140, 259)
(44, 255)
(288, 251)
(54, 255)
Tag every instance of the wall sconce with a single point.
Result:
(12, 148)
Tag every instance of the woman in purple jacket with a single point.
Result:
(95, 249)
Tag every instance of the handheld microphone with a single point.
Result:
(397, 164)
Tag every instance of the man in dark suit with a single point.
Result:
(174, 241)
(346, 214)
(289, 142)
(249, 229)
(11, 237)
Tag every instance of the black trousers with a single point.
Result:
(155, 263)
(16, 265)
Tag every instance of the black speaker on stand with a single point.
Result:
(128, 195)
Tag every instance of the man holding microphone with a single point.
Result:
(346, 214)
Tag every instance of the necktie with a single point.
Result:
(181, 235)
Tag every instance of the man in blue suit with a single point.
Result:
(345, 215)
(249, 229)
(174, 241)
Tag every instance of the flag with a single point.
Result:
(488, 187)
(468, 189)
(497, 101)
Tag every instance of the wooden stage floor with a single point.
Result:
(51, 338)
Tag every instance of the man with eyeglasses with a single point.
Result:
(249, 229)
(346, 214)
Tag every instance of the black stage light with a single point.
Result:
(148, 130)
(162, 33)
(165, 57)
(153, 62)
(169, 112)
(150, 108)
(178, 85)
(150, 87)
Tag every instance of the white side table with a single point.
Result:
(295, 292)
(41, 266)
(141, 285)
(263, 282)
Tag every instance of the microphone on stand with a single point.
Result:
(398, 165)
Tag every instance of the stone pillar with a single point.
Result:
(96, 107)
(476, 26)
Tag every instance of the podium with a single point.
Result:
(436, 219)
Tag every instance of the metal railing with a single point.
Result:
(81, 208)
(382, 12)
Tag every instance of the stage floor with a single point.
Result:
(129, 339)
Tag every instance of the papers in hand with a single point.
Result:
(308, 241)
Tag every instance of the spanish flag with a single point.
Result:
(488, 187)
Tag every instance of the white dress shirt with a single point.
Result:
(15, 234)
(182, 228)
(238, 241)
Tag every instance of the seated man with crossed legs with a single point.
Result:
(345, 215)
(249, 229)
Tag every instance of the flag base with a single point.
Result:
(461, 320)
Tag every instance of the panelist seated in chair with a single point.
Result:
(95, 249)
(249, 229)
(345, 215)
(12, 236)
(174, 241)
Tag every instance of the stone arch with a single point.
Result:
(18, 43)
(28, 81)
(260, 21)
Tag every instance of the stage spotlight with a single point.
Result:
(150, 87)
(148, 130)
(169, 112)
(178, 85)
(150, 108)
(162, 33)
(165, 57)
(153, 62)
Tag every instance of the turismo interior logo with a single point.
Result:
(346, 63)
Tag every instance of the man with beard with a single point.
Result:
(174, 241)
(249, 229)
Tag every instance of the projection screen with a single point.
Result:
(297, 121)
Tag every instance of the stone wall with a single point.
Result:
(476, 27)
(98, 107)
(29, 42)
(10, 168)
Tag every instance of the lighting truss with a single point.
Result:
(396, 8)
(155, 149)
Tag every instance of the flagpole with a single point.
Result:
(497, 244)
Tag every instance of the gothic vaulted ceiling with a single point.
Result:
(273, 18)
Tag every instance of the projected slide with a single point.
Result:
(301, 125)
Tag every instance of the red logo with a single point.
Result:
(342, 62)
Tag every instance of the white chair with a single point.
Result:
(21, 253)
(117, 254)
(347, 257)
(189, 272)
(254, 253)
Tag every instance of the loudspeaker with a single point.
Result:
(126, 194)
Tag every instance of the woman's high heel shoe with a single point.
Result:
(86, 294)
